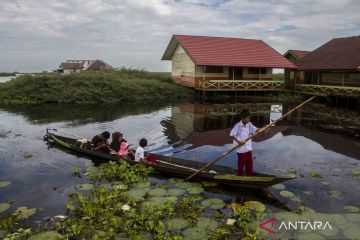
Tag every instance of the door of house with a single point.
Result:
(236, 73)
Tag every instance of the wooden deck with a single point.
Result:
(240, 85)
(327, 90)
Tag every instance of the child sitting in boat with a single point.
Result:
(140, 153)
(121, 147)
(100, 142)
(241, 131)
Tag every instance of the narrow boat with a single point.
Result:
(180, 168)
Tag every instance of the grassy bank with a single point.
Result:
(92, 88)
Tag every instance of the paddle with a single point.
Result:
(240, 144)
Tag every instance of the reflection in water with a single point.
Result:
(192, 131)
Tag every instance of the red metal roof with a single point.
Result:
(220, 51)
(337, 54)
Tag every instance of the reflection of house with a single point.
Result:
(217, 63)
(71, 66)
(201, 124)
(331, 69)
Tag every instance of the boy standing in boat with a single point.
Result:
(241, 131)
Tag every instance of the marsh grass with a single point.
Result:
(125, 85)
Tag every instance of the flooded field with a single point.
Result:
(319, 145)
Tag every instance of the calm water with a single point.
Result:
(301, 144)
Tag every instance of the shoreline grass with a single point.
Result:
(92, 88)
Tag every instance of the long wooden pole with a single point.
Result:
(258, 133)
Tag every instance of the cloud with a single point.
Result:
(38, 34)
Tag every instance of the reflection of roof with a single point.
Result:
(222, 136)
(221, 51)
(337, 54)
(329, 141)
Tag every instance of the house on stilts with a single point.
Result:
(333, 69)
(224, 64)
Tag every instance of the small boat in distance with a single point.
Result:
(180, 168)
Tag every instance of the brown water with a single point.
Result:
(315, 138)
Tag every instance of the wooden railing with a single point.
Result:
(327, 90)
(240, 85)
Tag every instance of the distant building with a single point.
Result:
(218, 63)
(71, 66)
(295, 55)
(332, 69)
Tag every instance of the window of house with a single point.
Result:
(213, 69)
(256, 70)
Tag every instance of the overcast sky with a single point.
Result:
(37, 35)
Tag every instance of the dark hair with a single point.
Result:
(106, 134)
(143, 142)
(116, 136)
(245, 113)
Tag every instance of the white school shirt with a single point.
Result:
(242, 132)
(139, 154)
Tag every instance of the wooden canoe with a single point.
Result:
(181, 168)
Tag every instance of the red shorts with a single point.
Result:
(245, 160)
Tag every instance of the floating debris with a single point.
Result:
(230, 221)
(213, 203)
(84, 187)
(335, 194)
(4, 184)
(326, 183)
(308, 192)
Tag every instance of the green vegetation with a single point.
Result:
(92, 88)
(7, 74)
(122, 204)
(278, 76)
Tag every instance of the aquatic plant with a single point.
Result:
(4, 184)
(28, 155)
(4, 207)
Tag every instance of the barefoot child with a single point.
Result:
(140, 154)
(241, 131)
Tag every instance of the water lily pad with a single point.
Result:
(24, 212)
(177, 223)
(213, 203)
(306, 211)
(4, 207)
(327, 232)
(326, 183)
(195, 233)
(287, 194)
(209, 184)
(157, 192)
(4, 183)
(338, 219)
(207, 223)
(137, 194)
(49, 235)
(352, 231)
(84, 187)
(296, 199)
(255, 205)
(308, 192)
(142, 185)
(279, 186)
(184, 184)
(356, 173)
(315, 174)
(172, 198)
(176, 191)
(176, 180)
(195, 190)
(155, 202)
(28, 155)
(3, 234)
(287, 216)
(335, 194)
(352, 209)
(353, 217)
